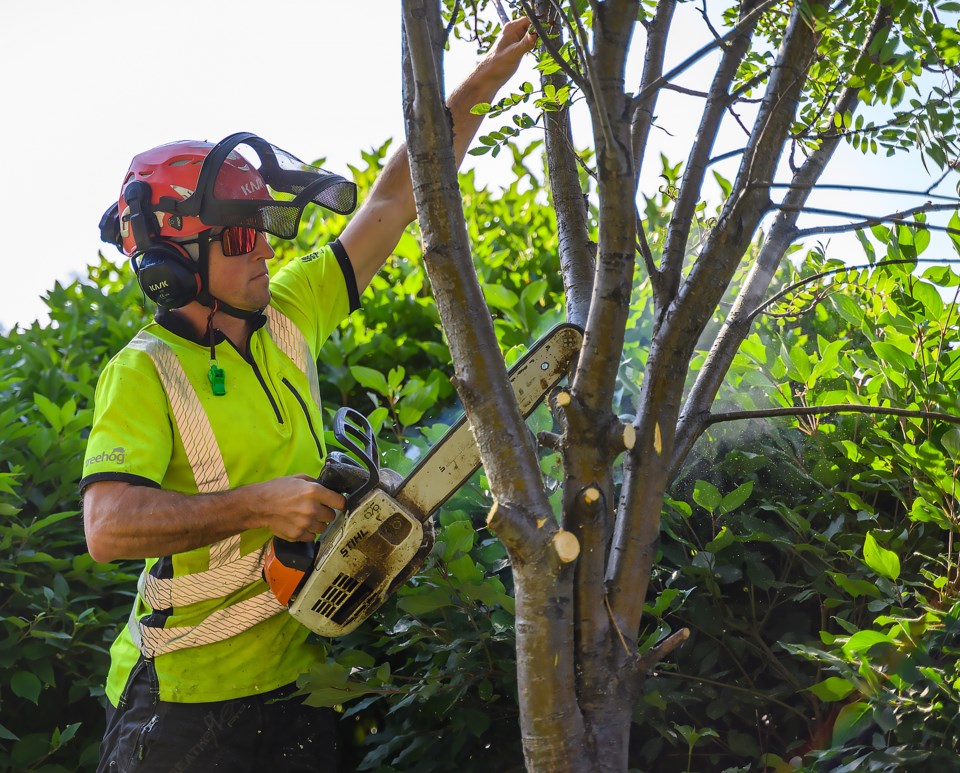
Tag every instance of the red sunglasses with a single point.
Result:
(236, 240)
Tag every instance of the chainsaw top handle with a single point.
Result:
(348, 425)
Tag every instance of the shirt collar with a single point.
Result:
(181, 327)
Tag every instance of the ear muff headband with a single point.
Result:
(166, 272)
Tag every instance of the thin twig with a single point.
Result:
(453, 20)
(654, 655)
(698, 55)
(819, 410)
(613, 620)
(823, 274)
(644, 249)
(863, 188)
(685, 90)
(547, 42)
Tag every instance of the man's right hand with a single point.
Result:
(122, 520)
(296, 508)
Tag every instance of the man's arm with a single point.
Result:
(126, 521)
(374, 231)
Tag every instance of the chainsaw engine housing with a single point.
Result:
(359, 557)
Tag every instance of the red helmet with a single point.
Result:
(193, 186)
(172, 172)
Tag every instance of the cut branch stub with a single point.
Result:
(566, 545)
(621, 436)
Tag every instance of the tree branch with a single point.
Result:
(819, 410)
(643, 117)
(506, 448)
(648, 465)
(678, 230)
(577, 252)
(860, 188)
(549, 44)
(755, 286)
(750, 19)
(823, 274)
(542, 554)
(867, 220)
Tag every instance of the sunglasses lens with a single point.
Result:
(238, 240)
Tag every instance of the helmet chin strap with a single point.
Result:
(204, 297)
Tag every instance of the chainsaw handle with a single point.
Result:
(349, 422)
(343, 474)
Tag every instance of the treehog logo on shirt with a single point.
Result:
(117, 455)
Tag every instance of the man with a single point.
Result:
(207, 440)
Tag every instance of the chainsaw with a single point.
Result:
(384, 534)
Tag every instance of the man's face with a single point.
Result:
(242, 280)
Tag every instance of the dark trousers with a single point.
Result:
(246, 735)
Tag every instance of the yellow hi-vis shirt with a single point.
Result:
(206, 618)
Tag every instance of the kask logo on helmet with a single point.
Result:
(117, 455)
(253, 186)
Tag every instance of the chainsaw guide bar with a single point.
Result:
(370, 550)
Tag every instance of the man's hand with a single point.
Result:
(126, 521)
(516, 39)
(373, 233)
(296, 508)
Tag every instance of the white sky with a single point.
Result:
(87, 85)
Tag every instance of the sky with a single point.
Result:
(89, 85)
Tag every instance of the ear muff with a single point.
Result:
(168, 275)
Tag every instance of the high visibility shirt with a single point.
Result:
(205, 617)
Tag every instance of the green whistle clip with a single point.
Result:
(217, 379)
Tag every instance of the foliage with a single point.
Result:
(812, 558)
(60, 609)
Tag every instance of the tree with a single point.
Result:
(825, 74)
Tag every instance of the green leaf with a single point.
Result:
(706, 495)
(7, 735)
(951, 442)
(854, 586)
(458, 538)
(68, 732)
(954, 232)
(370, 379)
(862, 641)
(423, 602)
(801, 364)
(26, 685)
(481, 109)
(894, 356)
(724, 539)
(832, 689)
(851, 720)
(50, 411)
(735, 498)
(884, 562)
(829, 358)
(500, 297)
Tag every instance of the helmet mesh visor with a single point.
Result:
(259, 185)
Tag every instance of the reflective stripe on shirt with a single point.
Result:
(218, 625)
(292, 343)
(228, 571)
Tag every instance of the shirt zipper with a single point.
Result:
(266, 391)
(306, 413)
